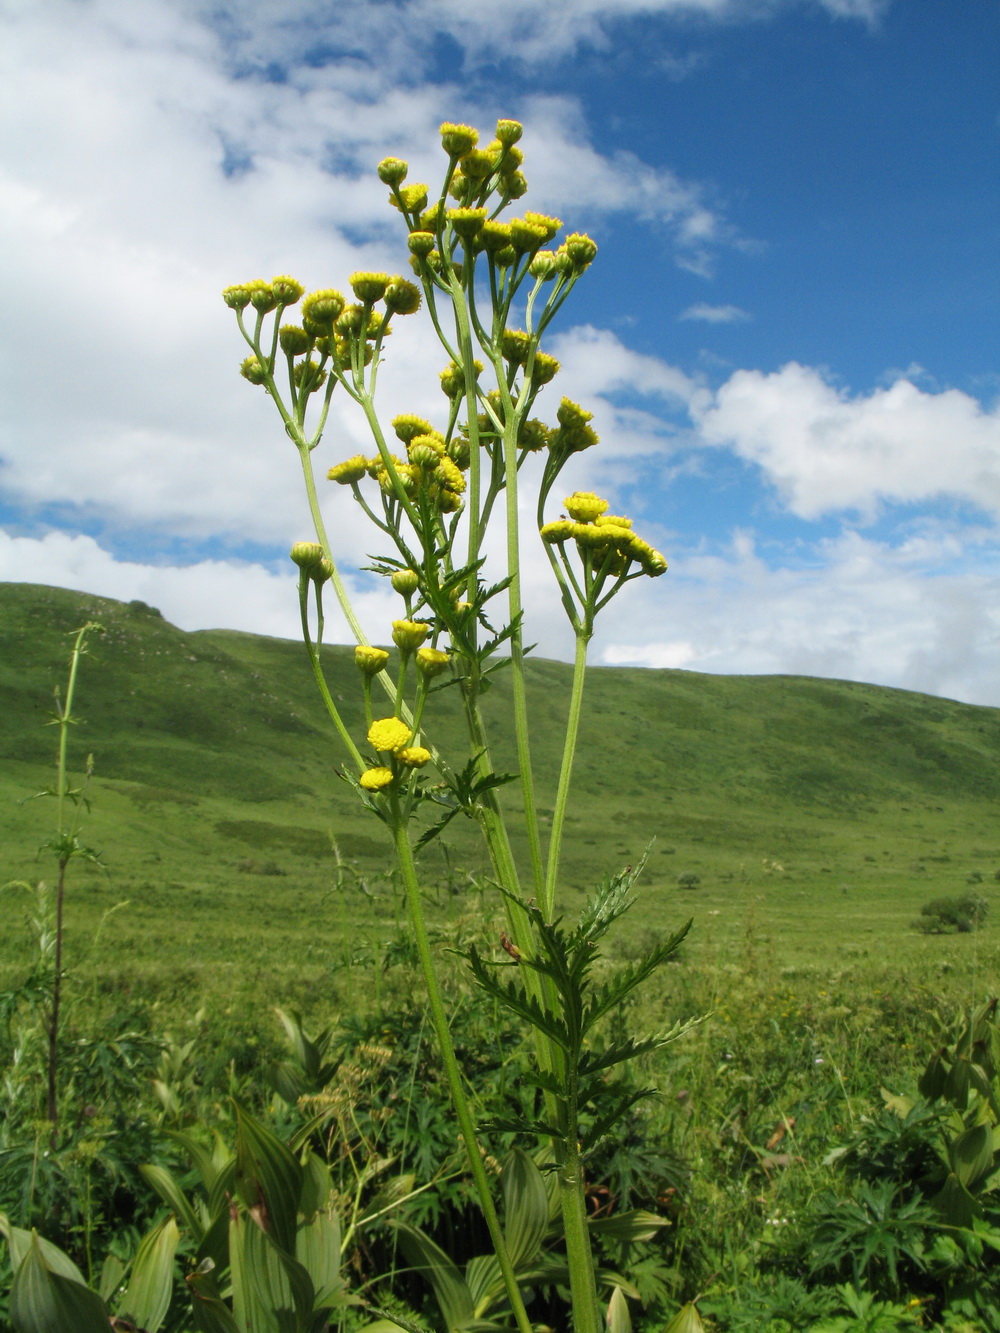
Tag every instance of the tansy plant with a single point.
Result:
(431, 490)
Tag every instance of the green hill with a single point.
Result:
(817, 815)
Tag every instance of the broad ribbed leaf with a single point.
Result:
(619, 1319)
(971, 1154)
(205, 1162)
(268, 1180)
(262, 1293)
(450, 1287)
(317, 1248)
(315, 1185)
(686, 1320)
(526, 1207)
(174, 1197)
(147, 1297)
(44, 1301)
(21, 1241)
(635, 1225)
(210, 1314)
(955, 1204)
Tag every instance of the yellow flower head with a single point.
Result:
(406, 582)
(374, 779)
(369, 287)
(558, 532)
(615, 520)
(286, 289)
(370, 660)
(389, 734)
(457, 140)
(431, 661)
(392, 171)
(408, 635)
(585, 506)
(407, 427)
(414, 756)
(350, 471)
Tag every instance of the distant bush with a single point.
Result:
(248, 866)
(942, 916)
(689, 880)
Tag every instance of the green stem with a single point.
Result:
(548, 900)
(317, 668)
(579, 1256)
(404, 852)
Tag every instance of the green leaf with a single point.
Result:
(971, 1154)
(619, 1319)
(635, 1225)
(210, 1314)
(686, 1320)
(45, 1301)
(317, 1248)
(147, 1297)
(268, 1180)
(174, 1197)
(392, 1193)
(21, 1241)
(526, 1207)
(955, 1204)
(450, 1288)
(315, 1186)
(262, 1295)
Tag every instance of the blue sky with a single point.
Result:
(789, 339)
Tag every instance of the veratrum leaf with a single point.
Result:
(210, 1315)
(147, 1297)
(971, 1154)
(686, 1320)
(956, 1205)
(635, 1225)
(21, 1241)
(268, 1179)
(619, 1319)
(526, 1207)
(171, 1193)
(450, 1287)
(43, 1301)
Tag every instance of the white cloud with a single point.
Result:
(715, 314)
(907, 616)
(825, 450)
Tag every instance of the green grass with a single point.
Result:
(818, 815)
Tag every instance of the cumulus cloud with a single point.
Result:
(826, 450)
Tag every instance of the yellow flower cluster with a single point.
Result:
(608, 536)
(389, 734)
(433, 466)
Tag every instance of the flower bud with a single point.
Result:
(238, 296)
(494, 236)
(392, 171)
(350, 471)
(577, 439)
(407, 475)
(479, 164)
(421, 243)
(466, 222)
(544, 368)
(262, 296)
(543, 265)
(557, 532)
(408, 635)
(407, 426)
(510, 162)
(286, 289)
(351, 320)
(406, 582)
(412, 197)
(462, 188)
(254, 370)
(370, 661)
(321, 308)
(414, 756)
(448, 501)
(431, 661)
(509, 131)
(453, 378)
(293, 339)
(585, 506)
(571, 414)
(458, 451)
(423, 455)
(457, 140)
(308, 376)
(580, 248)
(369, 287)
(533, 436)
(402, 297)
(612, 520)
(515, 186)
(525, 237)
(515, 345)
(307, 555)
(450, 474)
(430, 217)
(549, 225)
(389, 734)
(374, 779)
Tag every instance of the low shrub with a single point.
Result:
(943, 916)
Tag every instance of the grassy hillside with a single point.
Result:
(818, 815)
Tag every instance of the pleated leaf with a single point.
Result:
(147, 1297)
(45, 1301)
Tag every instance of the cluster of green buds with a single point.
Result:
(610, 553)
(334, 340)
(433, 472)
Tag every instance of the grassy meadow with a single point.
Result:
(817, 815)
(801, 823)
